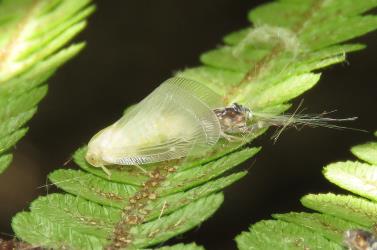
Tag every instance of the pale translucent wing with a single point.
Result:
(197, 90)
(166, 151)
(175, 86)
(196, 100)
(174, 120)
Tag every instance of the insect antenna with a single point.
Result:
(141, 168)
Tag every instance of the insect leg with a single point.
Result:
(141, 168)
(230, 138)
(106, 170)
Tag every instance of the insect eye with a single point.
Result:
(90, 158)
(235, 106)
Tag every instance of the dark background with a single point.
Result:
(135, 45)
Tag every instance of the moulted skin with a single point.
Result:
(262, 36)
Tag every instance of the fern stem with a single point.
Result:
(135, 213)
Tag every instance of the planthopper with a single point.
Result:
(181, 118)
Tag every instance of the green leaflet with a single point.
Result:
(291, 88)
(52, 234)
(119, 195)
(174, 201)
(357, 210)
(32, 37)
(181, 181)
(286, 67)
(366, 152)
(93, 188)
(82, 215)
(8, 141)
(15, 122)
(176, 223)
(14, 105)
(5, 161)
(40, 72)
(263, 67)
(356, 177)
(272, 234)
(339, 213)
(75, 229)
(288, 13)
(41, 34)
(328, 226)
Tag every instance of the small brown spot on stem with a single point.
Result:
(132, 219)
(152, 196)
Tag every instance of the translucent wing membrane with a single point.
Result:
(175, 120)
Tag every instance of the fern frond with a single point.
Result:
(32, 36)
(84, 224)
(282, 235)
(264, 66)
(325, 225)
(339, 213)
